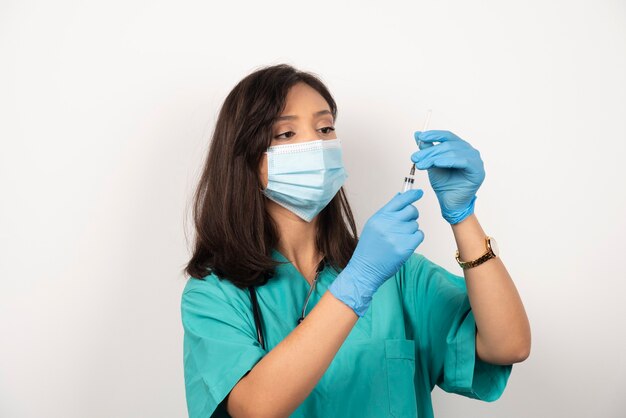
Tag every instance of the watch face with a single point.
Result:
(494, 246)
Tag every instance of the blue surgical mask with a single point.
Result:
(305, 176)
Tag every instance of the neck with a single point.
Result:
(296, 239)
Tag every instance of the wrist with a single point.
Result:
(348, 290)
(454, 217)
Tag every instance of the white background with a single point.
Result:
(106, 109)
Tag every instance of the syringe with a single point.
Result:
(410, 179)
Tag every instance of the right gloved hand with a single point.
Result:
(388, 239)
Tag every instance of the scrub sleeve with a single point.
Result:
(219, 345)
(440, 318)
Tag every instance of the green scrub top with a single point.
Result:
(418, 332)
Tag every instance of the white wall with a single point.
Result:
(105, 113)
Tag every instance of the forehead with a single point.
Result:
(304, 98)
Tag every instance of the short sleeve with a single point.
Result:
(446, 332)
(219, 347)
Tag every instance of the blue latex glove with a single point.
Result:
(455, 171)
(388, 239)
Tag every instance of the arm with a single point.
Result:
(295, 365)
(503, 330)
(456, 171)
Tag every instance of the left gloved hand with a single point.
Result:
(455, 171)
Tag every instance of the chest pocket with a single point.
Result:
(400, 361)
(367, 377)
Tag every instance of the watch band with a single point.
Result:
(487, 256)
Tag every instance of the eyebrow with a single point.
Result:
(290, 117)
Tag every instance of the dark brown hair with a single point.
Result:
(234, 232)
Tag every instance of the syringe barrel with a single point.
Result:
(408, 184)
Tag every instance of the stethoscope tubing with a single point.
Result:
(257, 313)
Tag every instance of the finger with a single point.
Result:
(418, 238)
(446, 150)
(421, 144)
(400, 200)
(414, 240)
(402, 228)
(408, 213)
(443, 162)
(433, 150)
(412, 227)
(438, 136)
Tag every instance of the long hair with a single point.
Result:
(234, 233)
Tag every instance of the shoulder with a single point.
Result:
(213, 290)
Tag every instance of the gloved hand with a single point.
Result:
(388, 239)
(455, 171)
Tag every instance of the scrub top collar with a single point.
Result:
(289, 268)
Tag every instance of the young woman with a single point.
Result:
(287, 313)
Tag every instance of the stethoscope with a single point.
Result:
(257, 313)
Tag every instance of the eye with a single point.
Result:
(327, 127)
(284, 133)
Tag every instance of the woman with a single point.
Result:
(346, 327)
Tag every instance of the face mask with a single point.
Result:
(304, 177)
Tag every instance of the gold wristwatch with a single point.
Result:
(492, 252)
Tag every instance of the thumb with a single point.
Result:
(401, 200)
